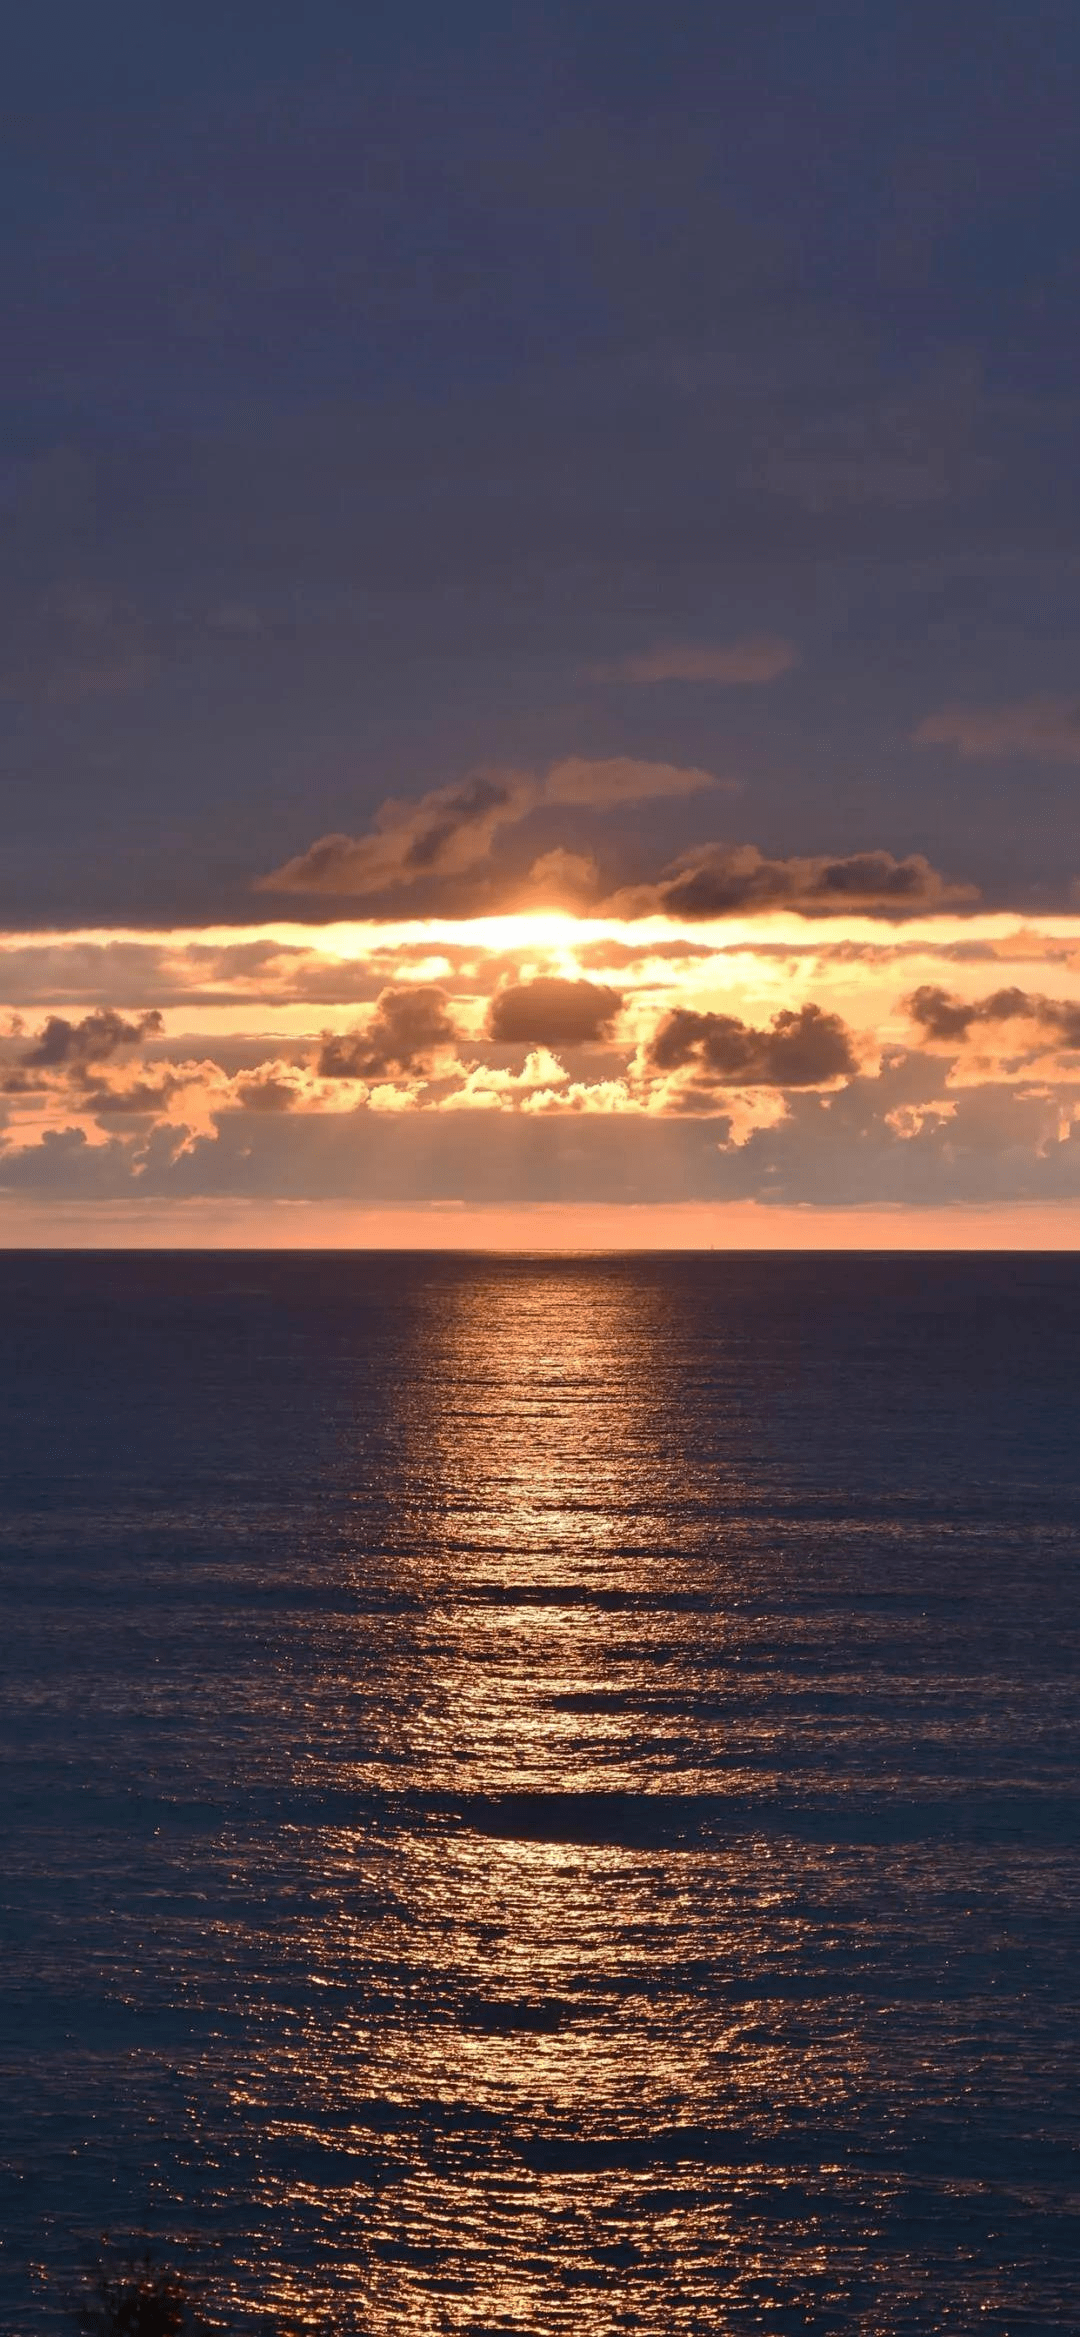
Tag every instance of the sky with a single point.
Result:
(538, 631)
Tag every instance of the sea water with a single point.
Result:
(541, 1794)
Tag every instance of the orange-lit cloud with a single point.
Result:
(452, 830)
(443, 834)
(755, 1057)
(565, 879)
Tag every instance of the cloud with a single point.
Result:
(489, 1088)
(142, 1098)
(640, 956)
(622, 779)
(63, 1045)
(1046, 728)
(452, 830)
(716, 880)
(408, 1027)
(444, 834)
(267, 1091)
(949, 1020)
(564, 878)
(806, 1048)
(758, 658)
(553, 1013)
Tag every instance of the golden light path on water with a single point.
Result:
(531, 2040)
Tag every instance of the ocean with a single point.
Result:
(540, 1794)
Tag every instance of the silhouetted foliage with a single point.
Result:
(137, 2297)
(134, 2294)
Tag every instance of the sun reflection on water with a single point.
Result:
(529, 2050)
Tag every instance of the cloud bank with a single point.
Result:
(452, 833)
(833, 1063)
(719, 880)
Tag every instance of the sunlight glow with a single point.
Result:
(378, 1072)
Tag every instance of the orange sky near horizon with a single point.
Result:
(553, 1229)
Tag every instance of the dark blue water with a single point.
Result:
(542, 1795)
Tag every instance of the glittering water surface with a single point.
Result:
(541, 1794)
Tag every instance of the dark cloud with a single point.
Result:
(408, 1027)
(717, 880)
(551, 1012)
(267, 1092)
(803, 1049)
(939, 1015)
(950, 1019)
(445, 833)
(63, 1045)
(145, 1097)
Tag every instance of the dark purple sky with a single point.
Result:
(374, 375)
